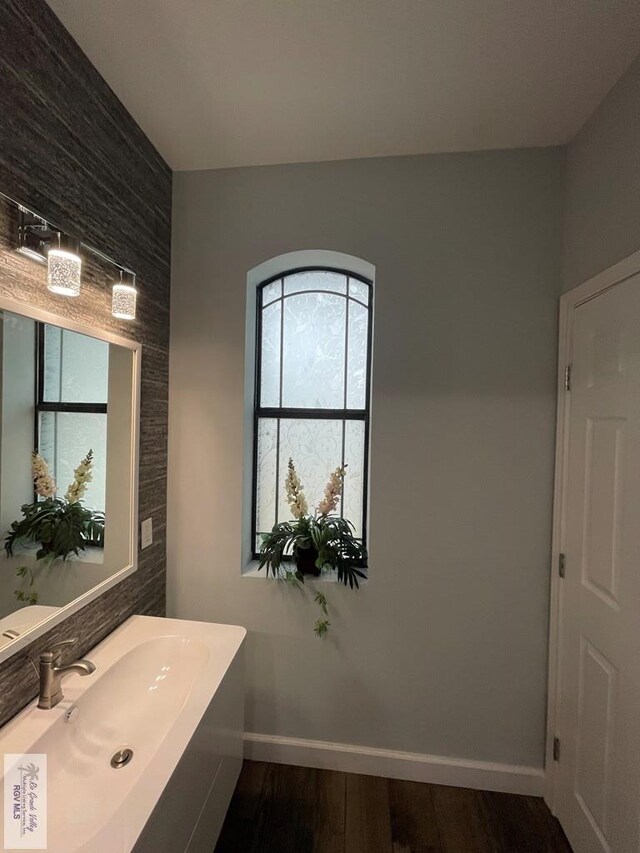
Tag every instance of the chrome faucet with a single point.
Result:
(51, 673)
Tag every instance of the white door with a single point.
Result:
(598, 789)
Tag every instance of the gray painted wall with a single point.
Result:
(602, 214)
(444, 650)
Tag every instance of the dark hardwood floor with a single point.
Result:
(281, 809)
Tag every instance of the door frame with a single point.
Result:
(571, 300)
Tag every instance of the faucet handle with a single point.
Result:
(54, 652)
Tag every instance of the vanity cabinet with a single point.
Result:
(191, 810)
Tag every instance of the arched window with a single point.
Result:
(312, 391)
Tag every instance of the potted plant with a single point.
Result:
(310, 544)
(62, 526)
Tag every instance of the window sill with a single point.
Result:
(251, 571)
(27, 551)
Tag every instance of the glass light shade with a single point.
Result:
(64, 269)
(123, 301)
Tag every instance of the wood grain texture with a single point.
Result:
(329, 811)
(280, 809)
(414, 827)
(247, 810)
(70, 151)
(461, 823)
(368, 818)
(515, 824)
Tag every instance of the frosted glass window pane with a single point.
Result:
(270, 376)
(272, 291)
(266, 480)
(316, 449)
(315, 280)
(359, 290)
(314, 351)
(354, 480)
(65, 439)
(76, 367)
(52, 391)
(357, 356)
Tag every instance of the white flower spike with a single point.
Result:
(332, 492)
(295, 496)
(81, 479)
(43, 481)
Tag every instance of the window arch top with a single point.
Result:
(314, 340)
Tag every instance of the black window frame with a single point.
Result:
(43, 406)
(289, 413)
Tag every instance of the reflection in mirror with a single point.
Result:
(66, 449)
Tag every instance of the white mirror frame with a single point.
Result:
(26, 310)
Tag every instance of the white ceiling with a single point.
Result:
(218, 83)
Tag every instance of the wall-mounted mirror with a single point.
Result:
(69, 412)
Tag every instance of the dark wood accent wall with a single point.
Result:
(70, 150)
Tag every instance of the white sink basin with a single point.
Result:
(154, 680)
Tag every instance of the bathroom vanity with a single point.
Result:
(144, 754)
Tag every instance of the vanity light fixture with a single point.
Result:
(39, 240)
(64, 266)
(124, 296)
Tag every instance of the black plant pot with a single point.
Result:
(306, 561)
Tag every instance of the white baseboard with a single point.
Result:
(416, 767)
